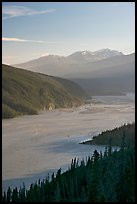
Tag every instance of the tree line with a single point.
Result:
(101, 177)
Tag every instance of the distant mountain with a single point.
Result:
(106, 53)
(51, 64)
(26, 92)
(108, 77)
(104, 71)
(112, 66)
(59, 65)
(88, 56)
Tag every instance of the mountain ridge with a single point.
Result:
(72, 56)
(109, 75)
(27, 92)
(94, 56)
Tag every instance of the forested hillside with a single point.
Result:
(26, 92)
(115, 136)
(102, 177)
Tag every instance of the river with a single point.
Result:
(33, 146)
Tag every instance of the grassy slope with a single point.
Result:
(26, 92)
(115, 136)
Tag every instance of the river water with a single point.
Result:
(33, 146)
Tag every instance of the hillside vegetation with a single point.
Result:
(108, 177)
(115, 136)
(26, 92)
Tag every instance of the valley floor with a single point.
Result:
(32, 145)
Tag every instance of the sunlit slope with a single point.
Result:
(26, 92)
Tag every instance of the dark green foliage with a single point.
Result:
(26, 92)
(100, 178)
(4, 197)
(15, 196)
(115, 137)
(9, 195)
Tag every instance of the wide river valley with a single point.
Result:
(33, 146)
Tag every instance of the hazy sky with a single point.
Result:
(33, 29)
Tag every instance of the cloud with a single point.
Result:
(23, 40)
(16, 11)
(13, 39)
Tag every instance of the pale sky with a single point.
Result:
(33, 29)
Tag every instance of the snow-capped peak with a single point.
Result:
(88, 56)
(108, 52)
(84, 53)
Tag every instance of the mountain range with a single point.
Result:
(104, 71)
(60, 65)
(88, 56)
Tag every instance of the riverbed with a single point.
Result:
(33, 146)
